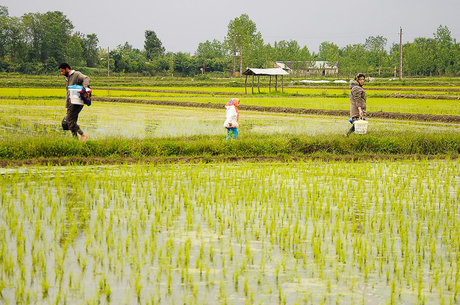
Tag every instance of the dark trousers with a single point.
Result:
(72, 117)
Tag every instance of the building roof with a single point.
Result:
(265, 72)
(310, 65)
(283, 66)
(322, 64)
(279, 64)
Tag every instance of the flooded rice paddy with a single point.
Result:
(311, 232)
(102, 120)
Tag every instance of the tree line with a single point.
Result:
(37, 42)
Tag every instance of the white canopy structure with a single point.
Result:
(265, 72)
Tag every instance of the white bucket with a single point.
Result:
(74, 92)
(360, 126)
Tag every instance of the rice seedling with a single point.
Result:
(236, 233)
(29, 117)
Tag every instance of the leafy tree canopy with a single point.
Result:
(152, 45)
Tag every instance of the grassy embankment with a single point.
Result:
(210, 148)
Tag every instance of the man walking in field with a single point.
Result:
(74, 107)
(357, 101)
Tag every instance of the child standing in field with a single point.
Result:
(232, 117)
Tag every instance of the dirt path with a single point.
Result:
(423, 96)
(380, 114)
(169, 91)
(293, 87)
(395, 95)
(384, 88)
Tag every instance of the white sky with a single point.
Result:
(182, 24)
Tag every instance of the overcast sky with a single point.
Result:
(182, 24)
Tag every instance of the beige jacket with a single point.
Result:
(75, 78)
(357, 99)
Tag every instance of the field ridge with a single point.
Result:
(216, 147)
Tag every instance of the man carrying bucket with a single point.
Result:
(74, 105)
(357, 101)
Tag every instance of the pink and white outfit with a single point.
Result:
(232, 118)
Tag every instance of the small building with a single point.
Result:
(265, 72)
(308, 68)
(283, 66)
(322, 68)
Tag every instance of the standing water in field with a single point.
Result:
(25, 118)
(303, 232)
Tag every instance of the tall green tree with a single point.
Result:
(329, 51)
(287, 50)
(210, 55)
(47, 35)
(457, 58)
(304, 54)
(210, 49)
(185, 64)
(352, 59)
(34, 35)
(127, 59)
(445, 60)
(3, 30)
(89, 44)
(58, 29)
(3, 11)
(11, 40)
(153, 46)
(419, 57)
(375, 46)
(244, 40)
(74, 52)
(15, 41)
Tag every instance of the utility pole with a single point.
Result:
(241, 60)
(400, 53)
(108, 61)
(234, 54)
